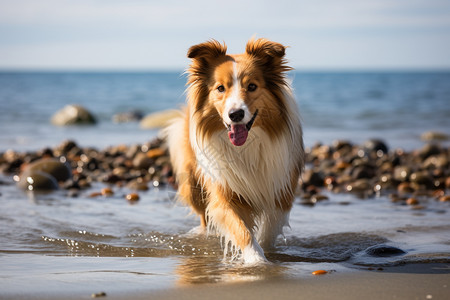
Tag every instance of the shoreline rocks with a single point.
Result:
(73, 115)
(372, 169)
(364, 170)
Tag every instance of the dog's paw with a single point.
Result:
(199, 230)
(253, 254)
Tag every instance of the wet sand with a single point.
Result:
(413, 281)
(423, 281)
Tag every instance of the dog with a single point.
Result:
(237, 148)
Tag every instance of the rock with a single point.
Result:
(107, 192)
(132, 197)
(37, 181)
(436, 162)
(375, 145)
(130, 116)
(311, 177)
(402, 173)
(138, 185)
(412, 201)
(73, 115)
(57, 169)
(362, 172)
(422, 178)
(159, 119)
(405, 188)
(318, 197)
(359, 185)
(434, 136)
(428, 150)
(142, 161)
(154, 153)
(445, 198)
(384, 251)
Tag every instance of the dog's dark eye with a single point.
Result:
(221, 89)
(252, 87)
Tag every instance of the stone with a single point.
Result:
(73, 115)
(129, 116)
(434, 136)
(61, 171)
(412, 201)
(311, 177)
(384, 251)
(375, 145)
(142, 161)
(37, 181)
(428, 150)
(159, 119)
(359, 185)
(132, 197)
(402, 173)
(154, 153)
(107, 192)
(405, 187)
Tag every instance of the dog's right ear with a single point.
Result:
(207, 50)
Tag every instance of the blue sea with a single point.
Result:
(395, 106)
(55, 244)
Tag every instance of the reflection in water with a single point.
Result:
(207, 269)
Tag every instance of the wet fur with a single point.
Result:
(242, 193)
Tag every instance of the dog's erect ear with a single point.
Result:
(207, 50)
(265, 49)
(269, 54)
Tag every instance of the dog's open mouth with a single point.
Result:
(238, 133)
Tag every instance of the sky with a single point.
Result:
(155, 35)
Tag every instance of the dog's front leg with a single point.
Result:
(228, 219)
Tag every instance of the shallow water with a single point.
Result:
(55, 243)
(395, 106)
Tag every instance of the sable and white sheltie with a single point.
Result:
(237, 149)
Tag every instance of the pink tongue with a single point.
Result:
(238, 134)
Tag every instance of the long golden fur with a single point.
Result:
(237, 149)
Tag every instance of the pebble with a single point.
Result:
(142, 161)
(405, 187)
(342, 167)
(375, 145)
(132, 197)
(130, 116)
(37, 181)
(444, 198)
(159, 119)
(384, 251)
(98, 295)
(73, 115)
(434, 136)
(318, 197)
(107, 192)
(319, 272)
(359, 185)
(412, 201)
(154, 153)
(52, 166)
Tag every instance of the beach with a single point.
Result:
(87, 237)
(410, 282)
(91, 210)
(421, 281)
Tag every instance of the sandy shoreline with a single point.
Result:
(412, 281)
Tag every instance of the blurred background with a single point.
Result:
(363, 69)
(149, 35)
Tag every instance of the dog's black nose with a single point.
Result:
(236, 115)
